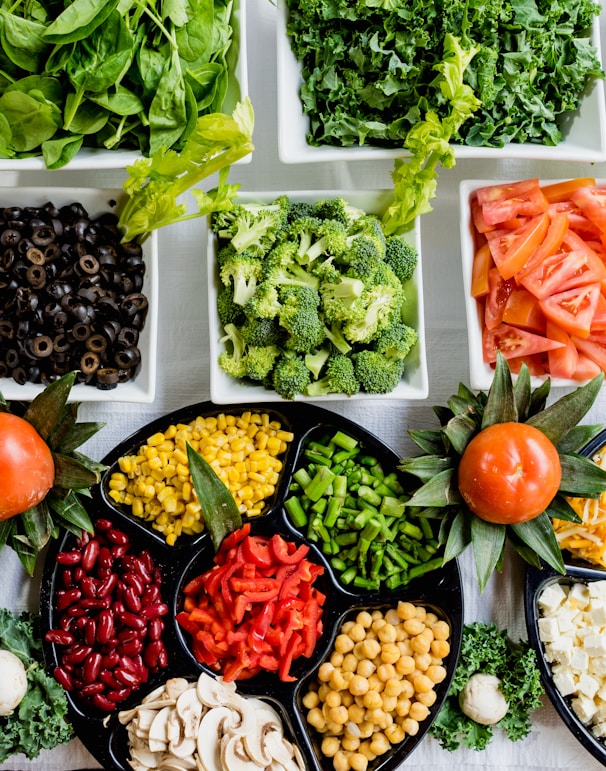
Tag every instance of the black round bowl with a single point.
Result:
(439, 590)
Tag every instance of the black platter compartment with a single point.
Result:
(439, 590)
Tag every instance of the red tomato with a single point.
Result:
(563, 270)
(594, 347)
(499, 291)
(563, 362)
(509, 473)
(592, 202)
(558, 227)
(522, 310)
(511, 249)
(482, 263)
(512, 199)
(561, 191)
(513, 342)
(27, 470)
(573, 310)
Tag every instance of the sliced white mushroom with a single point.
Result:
(280, 750)
(158, 730)
(234, 756)
(190, 709)
(216, 723)
(214, 692)
(144, 756)
(175, 687)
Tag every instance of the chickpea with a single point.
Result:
(370, 648)
(431, 619)
(440, 648)
(436, 673)
(316, 718)
(395, 733)
(376, 716)
(346, 698)
(337, 680)
(406, 610)
(375, 684)
(325, 671)
(422, 661)
(372, 700)
(333, 699)
(386, 672)
(343, 643)
(387, 633)
(358, 685)
(365, 668)
(405, 665)
(376, 615)
(408, 690)
(367, 729)
(389, 703)
(390, 652)
(350, 663)
(356, 713)
(418, 711)
(364, 618)
(358, 762)
(429, 698)
(414, 626)
(420, 613)
(379, 743)
(347, 626)
(405, 647)
(357, 633)
(441, 630)
(330, 746)
(338, 715)
(336, 659)
(403, 706)
(410, 726)
(350, 743)
(340, 761)
(391, 616)
(422, 684)
(310, 700)
(420, 644)
(367, 752)
(393, 687)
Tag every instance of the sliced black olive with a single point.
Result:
(26, 300)
(7, 329)
(90, 363)
(96, 344)
(127, 358)
(107, 378)
(12, 358)
(7, 258)
(35, 256)
(3, 369)
(132, 249)
(61, 344)
(81, 331)
(88, 264)
(33, 374)
(43, 235)
(42, 346)
(36, 276)
(128, 336)
(19, 375)
(10, 237)
(134, 303)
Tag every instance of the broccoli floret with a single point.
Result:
(376, 373)
(337, 209)
(233, 360)
(299, 316)
(252, 227)
(315, 360)
(290, 376)
(361, 259)
(261, 331)
(339, 378)
(227, 310)
(335, 334)
(265, 302)
(260, 360)
(242, 272)
(299, 209)
(370, 227)
(289, 275)
(221, 222)
(382, 304)
(396, 341)
(341, 300)
(401, 257)
(314, 237)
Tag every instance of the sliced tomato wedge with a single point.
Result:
(558, 227)
(508, 200)
(477, 216)
(482, 264)
(499, 291)
(513, 342)
(562, 361)
(592, 202)
(522, 309)
(577, 221)
(594, 347)
(561, 191)
(512, 248)
(536, 364)
(563, 270)
(573, 310)
(586, 368)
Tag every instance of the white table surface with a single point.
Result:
(183, 378)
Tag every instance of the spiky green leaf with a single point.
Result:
(527, 554)
(459, 535)
(500, 405)
(27, 555)
(460, 430)
(443, 413)
(429, 441)
(6, 529)
(78, 434)
(425, 467)
(558, 419)
(522, 391)
(488, 541)
(65, 423)
(538, 398)
(582, 477)
(46, 409)
(559, 508)
(71, 511)
(70, 472)
(577, 437)
(538, 534)
(37, 525)
(439, 491)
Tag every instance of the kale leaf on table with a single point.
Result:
(368, 68)
(40, 720)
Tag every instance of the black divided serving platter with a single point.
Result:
(439, 590)
(536, 581)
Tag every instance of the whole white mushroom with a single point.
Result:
(13, 682)
(482, 700)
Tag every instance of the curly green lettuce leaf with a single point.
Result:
(40, 721)
(484, 648)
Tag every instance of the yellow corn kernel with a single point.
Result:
(157, 438)
(137, 507)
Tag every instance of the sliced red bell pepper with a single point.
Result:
(286, 552)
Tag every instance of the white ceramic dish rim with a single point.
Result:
(480, 373)
(97, 158)
(142, 388)
(226, 390)
(293, 124)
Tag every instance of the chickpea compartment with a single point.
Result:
(378, 684)
(155, 483)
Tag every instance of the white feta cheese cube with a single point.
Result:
(564, 681)
(580, 660)
(597, 589)
(551, 597)
(548, 629)
(599, 730)
(588, 685)
(597, 666)
(578, 596)
(597, 613)
(584, 708)
(595, 644)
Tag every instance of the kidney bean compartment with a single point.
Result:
(108, 622)
(70, 296)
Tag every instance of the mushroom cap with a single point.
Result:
(13, 682)
(482, 700)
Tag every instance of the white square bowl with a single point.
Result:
(480, 373)
(414, 384)
(98, 158)
(584, 131)
(96, 201)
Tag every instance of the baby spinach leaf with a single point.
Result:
(79, 20)
(22, 40)
(168, 113)
(32, 121)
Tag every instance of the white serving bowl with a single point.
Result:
(141, 388)
(97, 158)
(481, 373)
(414, 385)
(584, 131)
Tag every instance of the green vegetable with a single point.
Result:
(155, 184)
(219, 509)
(369, 67)
(40, 720)
(315, 283)
(344, 501)
(486, 649)
(115, 74)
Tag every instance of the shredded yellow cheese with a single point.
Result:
(587, 539)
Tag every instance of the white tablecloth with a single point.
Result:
(183, 378)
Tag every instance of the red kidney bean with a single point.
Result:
(59, 637)
(109, 624)
(68, 557)
(90, 554)
(63, 677)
